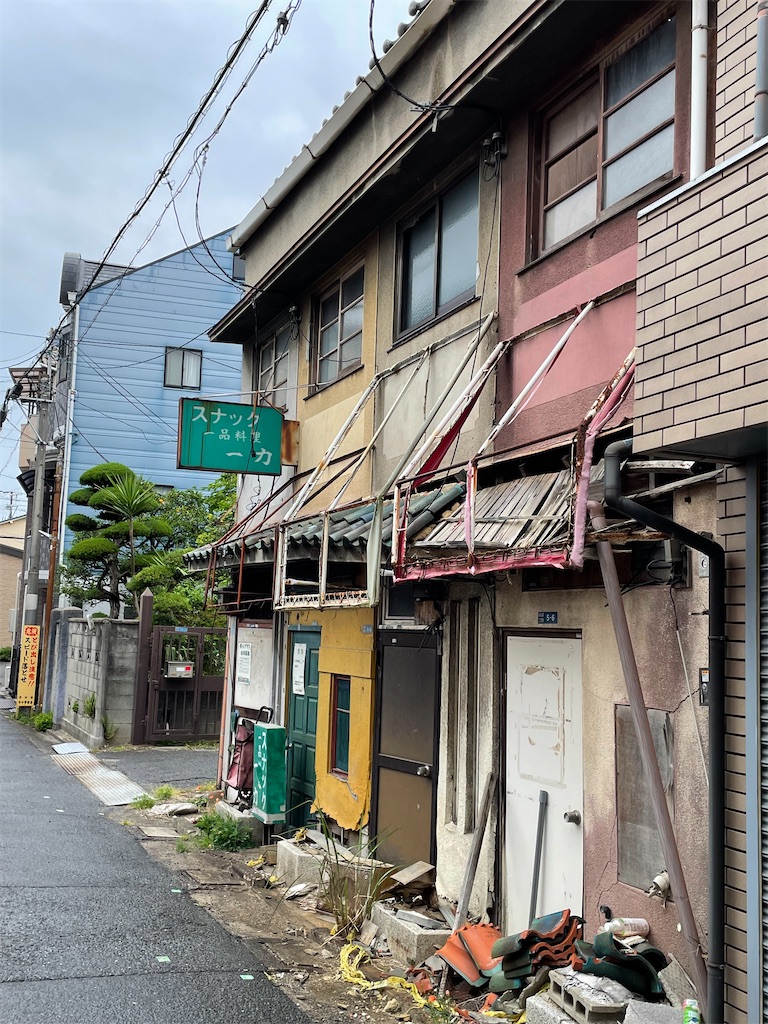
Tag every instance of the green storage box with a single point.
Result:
(268, 772)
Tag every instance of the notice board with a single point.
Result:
(253, 667)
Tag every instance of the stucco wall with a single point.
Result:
(11, 546)
(346, 648)
(386, 123)
(456, 819)
(651, 620)
(460, 327)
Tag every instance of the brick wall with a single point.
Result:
(731, 497)
(735, 82)
(702, 328)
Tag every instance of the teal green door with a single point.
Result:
(302, 726)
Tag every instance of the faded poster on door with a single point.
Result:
(297, 674)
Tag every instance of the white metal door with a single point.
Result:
(543, 753)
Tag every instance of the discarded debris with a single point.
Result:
(174, 809)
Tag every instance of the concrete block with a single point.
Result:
(652, 1013)
(582, 1003)
(541, 1010)
(408, 943)
(296, 863)
(225, 810)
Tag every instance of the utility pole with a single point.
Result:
(29, 652)
(32, 589)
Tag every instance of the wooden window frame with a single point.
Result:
(270, 338)
(335, 286)
(335, 710)
(402, 333)
(550, 110)
(184, 352)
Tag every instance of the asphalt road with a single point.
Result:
(86, 915)
(150, 767)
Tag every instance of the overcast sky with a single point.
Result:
(92, 97)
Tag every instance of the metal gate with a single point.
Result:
(186, 676)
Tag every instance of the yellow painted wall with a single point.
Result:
(346, 648)
(323, 413)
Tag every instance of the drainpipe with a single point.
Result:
(648, 756)
(714, 552)
(699, 52)
(761, 72)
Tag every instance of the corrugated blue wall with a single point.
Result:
(123, 412)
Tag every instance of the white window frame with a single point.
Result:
(188, 358)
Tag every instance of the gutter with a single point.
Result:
(422, 26)
(717, 640)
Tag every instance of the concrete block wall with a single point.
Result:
(101, 660)
(735, 75)
(702, 320)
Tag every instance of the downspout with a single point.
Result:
(699, 53)
(714, 552)
(761, 72)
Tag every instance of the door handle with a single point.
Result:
(424, 771)
(573, 817)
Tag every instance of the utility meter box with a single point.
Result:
(268, 772)
(179, 669)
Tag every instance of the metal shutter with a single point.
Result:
(763, 584)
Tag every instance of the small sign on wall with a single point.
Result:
(297, 674)
(243, 663)
(547, 618)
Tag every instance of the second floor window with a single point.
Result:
(340, 328)
(183, 368)
(439, 256)
(615, 136)
(273, 368)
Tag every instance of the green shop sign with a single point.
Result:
(228, 437)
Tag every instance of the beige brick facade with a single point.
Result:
(735, 81)
(704, 373)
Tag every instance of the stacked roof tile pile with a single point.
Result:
(549, 942)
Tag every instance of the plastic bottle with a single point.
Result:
(691, 1012)
(621, 926)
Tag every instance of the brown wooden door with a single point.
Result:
(405, 758)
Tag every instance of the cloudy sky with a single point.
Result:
(92, 96)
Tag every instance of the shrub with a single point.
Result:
(43, 721)
(222, 833)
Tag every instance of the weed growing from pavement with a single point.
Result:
(182, 844)
(43, 721)
(108, 727)
(165, 792)
(143, 802)
(221, 833)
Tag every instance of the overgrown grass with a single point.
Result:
(350, 889)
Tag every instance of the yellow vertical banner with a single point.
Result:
(30, 647)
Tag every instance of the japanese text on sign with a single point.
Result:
(30, 646)
(229, 437)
